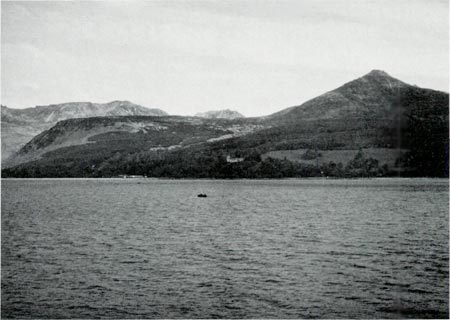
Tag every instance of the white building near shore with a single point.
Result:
(231, 159)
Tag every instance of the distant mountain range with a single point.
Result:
(220, 114)
(375, 125)
(20, 125)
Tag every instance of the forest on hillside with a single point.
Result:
(214, 166)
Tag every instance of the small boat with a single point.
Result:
(202, 195)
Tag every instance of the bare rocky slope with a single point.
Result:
(20, 125)
(402, 129)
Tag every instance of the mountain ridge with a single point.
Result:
(373, 112)
(20, 125)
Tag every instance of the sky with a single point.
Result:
(254, 56)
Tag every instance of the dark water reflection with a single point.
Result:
(251, 249)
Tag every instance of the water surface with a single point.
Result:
(143, 248)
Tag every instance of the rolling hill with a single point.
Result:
(20, 125)
(375, 125)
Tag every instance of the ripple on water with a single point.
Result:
(275, 249)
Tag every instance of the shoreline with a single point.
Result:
(227, 179)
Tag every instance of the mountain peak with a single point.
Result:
(378, 73)
(376, 88)
(222, 114)
(378, 78)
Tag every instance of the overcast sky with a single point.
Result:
(184, 57)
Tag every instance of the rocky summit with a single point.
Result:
(220, 114)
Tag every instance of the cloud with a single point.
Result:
(190, 56)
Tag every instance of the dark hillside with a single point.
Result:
(427, 131)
